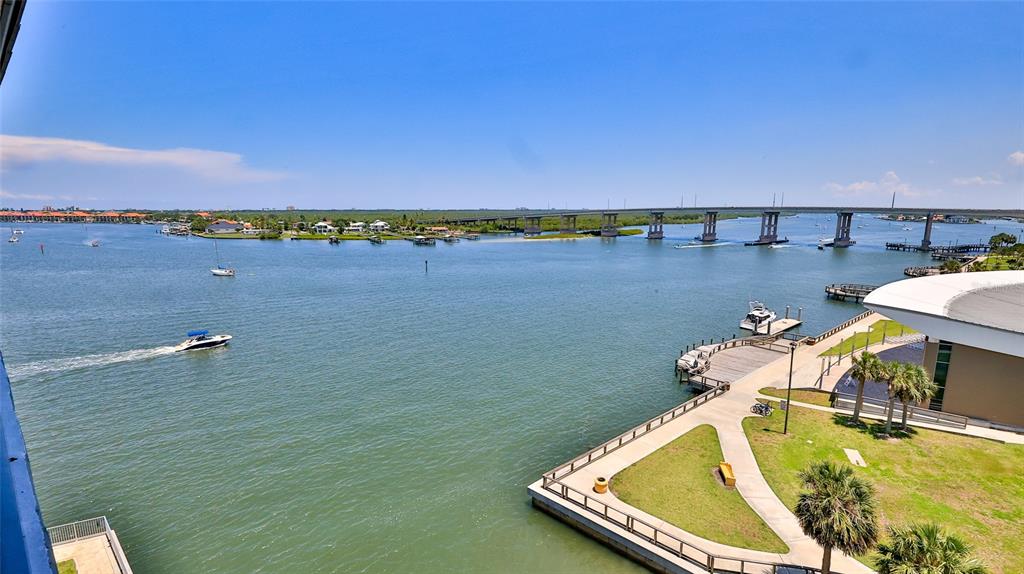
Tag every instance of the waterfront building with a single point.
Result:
(323, 227)
(224, 227)
(974, 324)
(357, 227)
(379, 226)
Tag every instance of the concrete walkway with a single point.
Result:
(726, 413)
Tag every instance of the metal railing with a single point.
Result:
(89, 528)
(711, 563)
(873, 406)
(567, 468)
(839, 327)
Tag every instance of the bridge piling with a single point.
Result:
(844, 220)
(769, 230)
(568, 224)
(926, 242)
(531, 226)
(609, 224)
(710, 227)
(655, 228)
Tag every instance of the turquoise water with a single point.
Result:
(370, 416)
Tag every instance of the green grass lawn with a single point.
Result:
(630, 231)
(67, 567)
(811, 396)
(890, 328)
(997, 263)
(678, 483)
(973, 487)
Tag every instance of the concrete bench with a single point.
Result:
(727, 474)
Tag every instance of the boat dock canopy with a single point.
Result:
(198, 333)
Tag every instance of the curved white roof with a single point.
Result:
(983, 309)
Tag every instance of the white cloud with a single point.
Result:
(1016, 158)
(38, 197)
(977, 181)
(213, 165)
(888, 184)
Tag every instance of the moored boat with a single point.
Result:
(223, 271)
(758, 314)
(423, 240)
(376, 240)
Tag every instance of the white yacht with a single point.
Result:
(18, 232)
(202, 340)
(757, 315)
(223, 271)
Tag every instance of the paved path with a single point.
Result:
(726, 413)
(92, 555)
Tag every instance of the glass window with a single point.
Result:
(941, 372)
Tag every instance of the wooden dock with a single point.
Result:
(848, 291)
(777, 326)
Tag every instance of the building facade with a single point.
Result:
(974, 352)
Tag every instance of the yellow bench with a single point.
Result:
(727, 474)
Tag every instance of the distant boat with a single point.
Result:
(907, 228)
(421, 240)
(18, 232)
(220, 270)
(473, 237)
(201, 340)
(376, 240)
(333, 240)
(450, 238)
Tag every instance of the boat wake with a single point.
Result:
(85, 361)
(699, 245)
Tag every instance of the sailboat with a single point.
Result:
(13, 238)
(93, 242)
(220, 270)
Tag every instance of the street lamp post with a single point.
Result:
(789, 388)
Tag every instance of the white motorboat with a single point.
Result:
(694, 362)
(907, 228)
(18, 232)
(12, 239)
(202, 340)
(758, 315)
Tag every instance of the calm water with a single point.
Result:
(369, 416)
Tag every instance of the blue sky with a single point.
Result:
(328, 105)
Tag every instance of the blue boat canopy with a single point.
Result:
(197, 333)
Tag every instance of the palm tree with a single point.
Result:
(838, 511)
(864, 367)
(926, 549)
(893, 374)
(916, 387)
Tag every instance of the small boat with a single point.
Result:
(12, 239)
(94, 243)
(907, 228)
(473, 237)
(757, 315)
(220, 270)
(450, 238)
(166, 230)
(202, 340)
(376, 240)
(333, 240)
(694, 362)
(18, 232)
(422, 240)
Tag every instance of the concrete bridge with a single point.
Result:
(769, 220)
